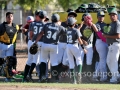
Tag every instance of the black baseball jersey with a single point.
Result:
(63, 37)
(100, 26)
(52, 31)
(87, 33)
(72, 35)
(36, 27)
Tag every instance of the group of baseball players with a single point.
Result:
(65, 44)
(68, 44)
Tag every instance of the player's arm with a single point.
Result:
(80, 41)
(113, 36)
(99, 33)
(1, 29)
(31, 31)
(39, 36)
(81, 25)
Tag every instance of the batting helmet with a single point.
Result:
(33, 49)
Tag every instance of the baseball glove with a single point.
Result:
(88, 20)
(33, 49)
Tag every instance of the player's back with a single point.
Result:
(52, 31)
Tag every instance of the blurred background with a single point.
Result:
(23, 8)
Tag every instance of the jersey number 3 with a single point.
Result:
(50, 35)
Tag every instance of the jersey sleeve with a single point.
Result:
(63, 30)
(78, 33)
(2, 29)
(31, 28)
(118, 28)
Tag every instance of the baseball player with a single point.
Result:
(73, 38)
(34, 31)
(51, 32)
(62, 55)
(87, 30)
(29, 19)
(101, 47)
(113, 41)
(30, 56)
(8, 35)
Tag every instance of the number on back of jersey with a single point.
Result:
(69, 39)
(51, 35)
(37, 29)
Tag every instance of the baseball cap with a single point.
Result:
(43, 13)
(55, 17)
(84, 6)
(85, 14)
(112, 10)
(101, 13)
(37, 12)
(72, 13)
(71, 21)
(47, 18)
(69, 9)
(30, 19)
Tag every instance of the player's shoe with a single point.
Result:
(25, 80)
(43, 79)
(103, 79)
(113, 81)
(79, 78)
(9, 80)
(30, 78)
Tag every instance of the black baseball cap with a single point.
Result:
(72, 13)
(55, 17)
(37, 12)
(101, 13)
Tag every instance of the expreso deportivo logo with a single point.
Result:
(83, 74)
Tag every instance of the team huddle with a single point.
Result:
(65, 43)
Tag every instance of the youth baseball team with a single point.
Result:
(65, 45)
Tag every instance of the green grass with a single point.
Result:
(65, 85)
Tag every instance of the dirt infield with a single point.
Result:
(53, 86)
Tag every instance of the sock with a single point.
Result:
(26, 71)
(72, 74)
(31, 68)
(43, 68)
(79, 68)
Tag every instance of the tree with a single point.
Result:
(74, 4)
(32, 4)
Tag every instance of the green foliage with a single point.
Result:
(74, 4)
(32, 4)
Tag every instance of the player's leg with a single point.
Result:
(71, 63)
(28, 63)
(112, 61)
(36, 59)
(44, 57)
(89, 57)
(101, 48)
(54, 62)
(76, 53)
(10, 62)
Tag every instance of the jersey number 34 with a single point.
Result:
(50, 35)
